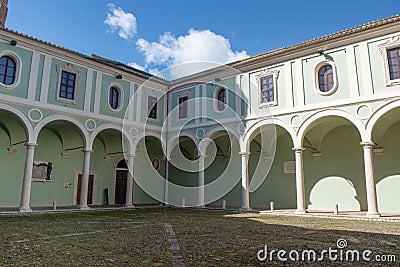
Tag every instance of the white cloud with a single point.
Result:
(197, 46)
(137, 66)
(121, 21)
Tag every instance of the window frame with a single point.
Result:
(263, 75)
(69, 69)
(179, 107)
(392, 43)
(216, 101)
(156, 119)
(120, 98)
(18, 68)
(317, 68)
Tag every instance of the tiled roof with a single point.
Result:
(108, 62)
(143, 74)
(319, 40)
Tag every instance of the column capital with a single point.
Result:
(367, 144)
(201, 156)
(87, 150)
(130, 156)
(31, 145)
(244, 154)
(298, 149)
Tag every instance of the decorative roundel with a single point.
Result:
(200, 133)
(90, 125)
(363, 112)
(134, 132)
(296, 120)
(35, 115)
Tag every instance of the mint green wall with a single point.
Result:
(280, 92)
(26, 58)
(338, 173)
(220, 166)
(144, 171)
(145, 92)
(53, 85)
(343, 91)
(359, 68)
(387, 171)
(107, 82)
(190, 92)
(39, 78)
(93, 94)
(48, 150)
(278, 186)
(11, 165)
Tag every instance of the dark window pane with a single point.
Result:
(7, 70)
(67, 86)
(394, 63)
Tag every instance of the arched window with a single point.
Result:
(114, 97)
(221, 97)
(7, 70)
(325, 78)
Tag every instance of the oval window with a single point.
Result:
(7, 70)
(114, 97)
(325, 78)
(221, 97)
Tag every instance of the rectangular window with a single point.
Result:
(183, 112)
(267, 89)
(67, 85)
(394, 63)
(152, 107)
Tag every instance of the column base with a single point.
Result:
(129, 206)
(200, 206)
(245, 209)
(373, 215)
(300, 212)
(84, 208)
(25, 210)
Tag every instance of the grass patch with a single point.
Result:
(209, 238)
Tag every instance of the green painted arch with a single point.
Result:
(316, 117)
(20, 115)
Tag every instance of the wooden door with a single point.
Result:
(120, 186)
(90, 190)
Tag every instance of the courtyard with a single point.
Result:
(178, 237)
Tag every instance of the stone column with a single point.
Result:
(245, 182)
(166, 170)
(200, 192)
(130, 181)
(85, 179)
(370, 181)
(26, 184)
(300, 191)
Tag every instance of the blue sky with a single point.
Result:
(218, 30)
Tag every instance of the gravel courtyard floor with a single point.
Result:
(167, 237)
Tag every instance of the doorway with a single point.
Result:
(121, 177)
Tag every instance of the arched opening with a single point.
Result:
(385, 135)
(108, 152)
(333, 159)
(271, 161)
(60, 145)
(13, 137)
(223, 163)
(183, 169)
(148, 187)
